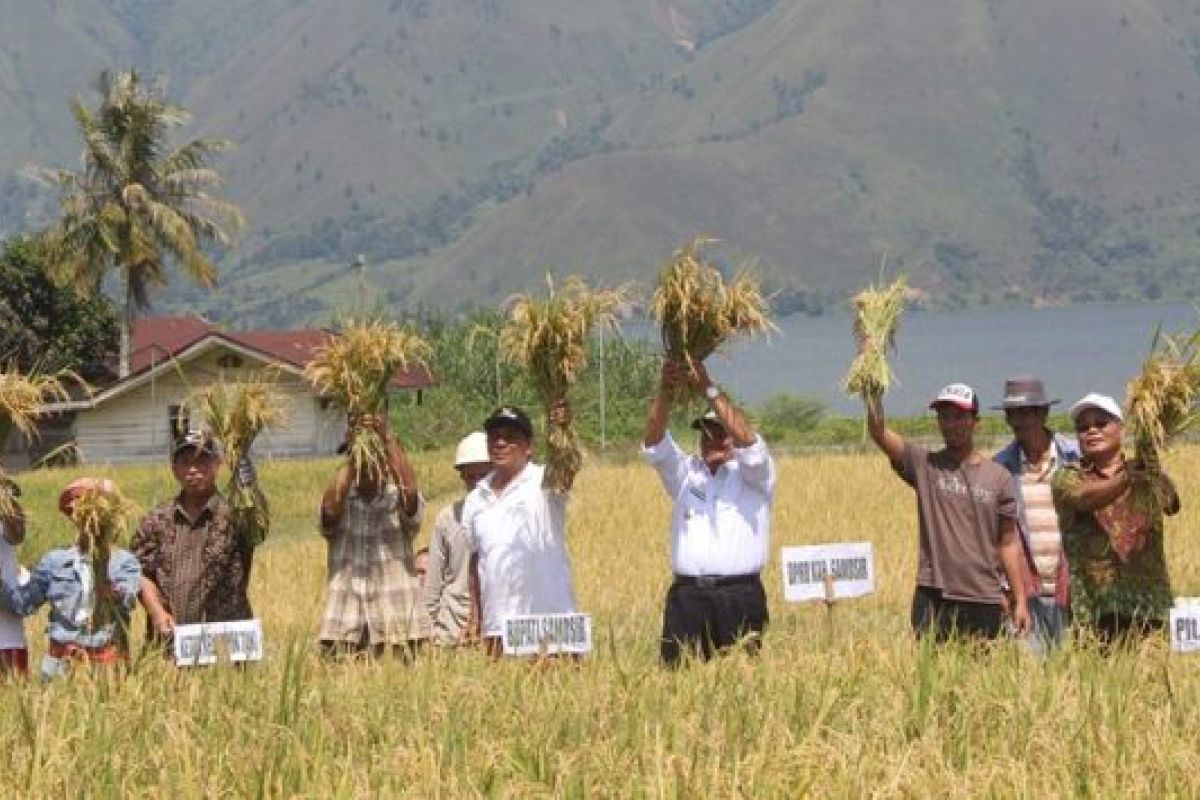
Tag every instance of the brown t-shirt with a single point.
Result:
(959, 507)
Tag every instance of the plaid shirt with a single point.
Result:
(373, 583)
(200, 566)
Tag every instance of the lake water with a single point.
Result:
(1075, 350)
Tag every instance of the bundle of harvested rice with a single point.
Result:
(549, 335)
(698, 312)
(354, 370)
(20, 398)
(876, 317)
(1161, 404)
(102, 516)
(236, 413)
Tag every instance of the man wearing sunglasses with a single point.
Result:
(1121, 590)
(967, 515)
(1033, 457)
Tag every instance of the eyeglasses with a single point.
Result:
(1085, 425)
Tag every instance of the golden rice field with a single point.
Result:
(852, 710)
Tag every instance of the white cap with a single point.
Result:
(957, 394)
(1099, 401)
(472, 449)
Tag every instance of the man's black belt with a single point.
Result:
(711, 581)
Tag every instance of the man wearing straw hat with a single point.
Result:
(967, 515)
(1033, 457)
(1121, 589)
(14, 655)
(516, 528)
(65, 580)
(195, 550)
(447, 578)
(720, 524)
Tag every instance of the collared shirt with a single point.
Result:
(1063, 451)
(1102, 582)
(201, 566)
(447, 587)
(520, 538)
(721, 523)
(62, 579)
(373, 583)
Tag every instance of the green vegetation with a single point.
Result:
(839, 704)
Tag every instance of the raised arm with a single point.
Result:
(333, 501)
(735, 422)
(658, 417)
(251, 520)
(890, 442)
(402, 472)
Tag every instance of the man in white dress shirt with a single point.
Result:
(721, 523)
(515, 527)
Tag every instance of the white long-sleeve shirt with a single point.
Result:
(721, 524)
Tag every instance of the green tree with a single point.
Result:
(48, 327)
(137, 205)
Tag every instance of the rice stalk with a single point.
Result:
(21, 398)
(103, 516)
(697, 311)
(549, 336)
(236, 412)
(877, 313)
(354, 370)
(1160, 405)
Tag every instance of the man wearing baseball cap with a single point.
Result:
(1033, 457)
(967, 514)
(447, 579)
(516, 528)
(1120, 589)
(196, 550)
(720, 522)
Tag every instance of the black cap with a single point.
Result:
(509, 415)
(195, 440)
(708, 418)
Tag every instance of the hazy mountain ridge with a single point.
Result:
(997, 150)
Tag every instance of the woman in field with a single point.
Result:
(1119, 583)
(89, 612)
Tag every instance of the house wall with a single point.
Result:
(136, 425)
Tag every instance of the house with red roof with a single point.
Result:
(171, 358)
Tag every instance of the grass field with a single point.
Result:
(849, 710)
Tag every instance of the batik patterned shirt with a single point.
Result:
(200, 566)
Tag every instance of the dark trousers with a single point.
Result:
(706, 619)
(934, 615)
(1121, 630)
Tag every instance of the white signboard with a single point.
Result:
(851, 565)
(1185, 625)
(534, 634)
(204, 644)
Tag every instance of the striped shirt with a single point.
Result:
(1045, 538)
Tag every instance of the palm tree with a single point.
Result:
(136, 205)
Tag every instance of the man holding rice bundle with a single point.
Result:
(515, 520)
(369, 517)
(91, 586)
(1120, 588)
(967, 512)
(196, 550)
(720, 525)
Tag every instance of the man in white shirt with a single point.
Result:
(515, 526)
(721, 523)
(14, 657)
